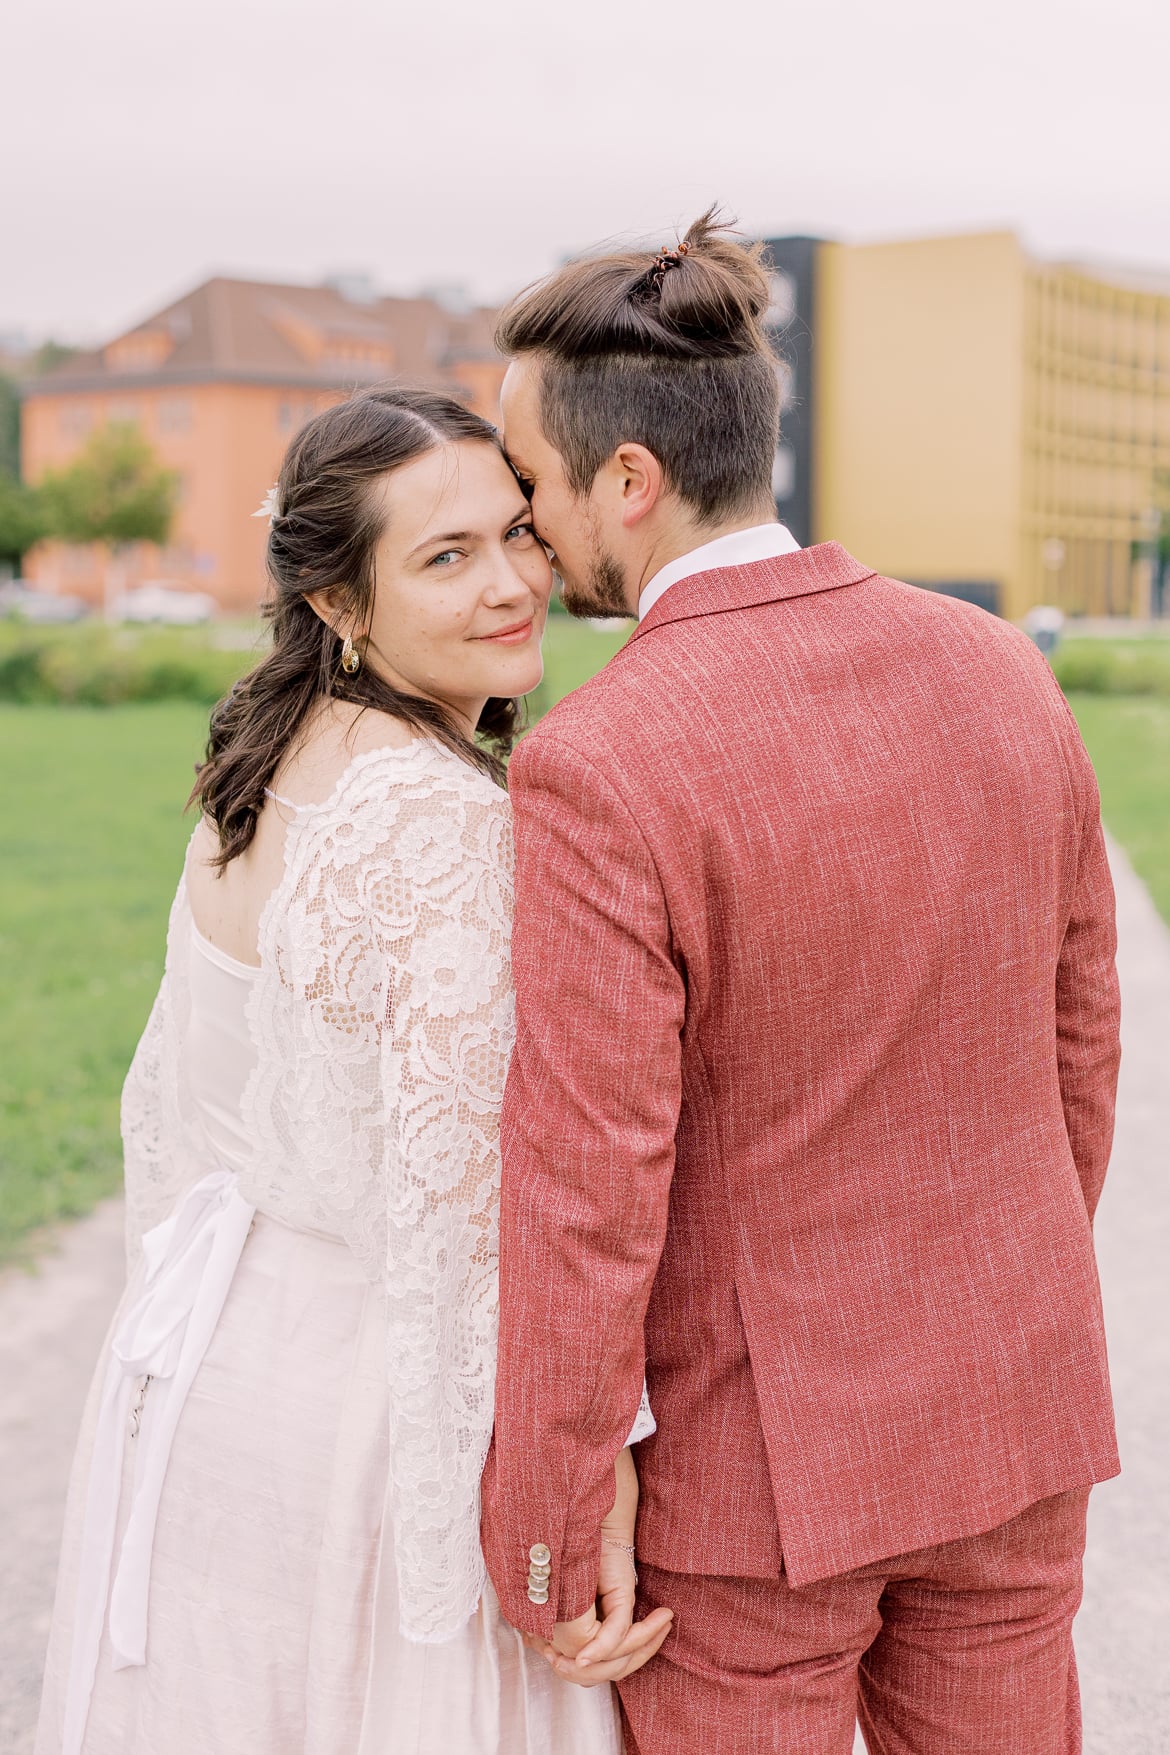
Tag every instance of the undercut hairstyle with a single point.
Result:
(665, 350)
(326, 524)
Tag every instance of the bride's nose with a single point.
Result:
(506, 584)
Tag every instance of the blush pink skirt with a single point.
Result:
(270, 1628)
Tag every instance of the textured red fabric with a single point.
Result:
(813, 1090)
(964, 1648)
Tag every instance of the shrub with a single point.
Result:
(93, 665)
(1113, 667)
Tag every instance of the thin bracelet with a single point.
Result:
(626, 1548)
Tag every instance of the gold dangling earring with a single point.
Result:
(351, 658)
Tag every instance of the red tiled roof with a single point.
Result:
(263, 332)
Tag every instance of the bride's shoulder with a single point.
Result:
(419, 778)
(364, 730)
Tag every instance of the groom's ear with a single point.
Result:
(636, 482)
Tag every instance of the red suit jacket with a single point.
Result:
(813, 1090)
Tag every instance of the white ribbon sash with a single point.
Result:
(189, 1262)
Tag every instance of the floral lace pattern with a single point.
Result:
(382, 1016)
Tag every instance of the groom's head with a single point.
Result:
(642, 406)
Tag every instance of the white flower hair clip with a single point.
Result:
(268, 507)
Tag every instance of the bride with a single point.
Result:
(272, 1537)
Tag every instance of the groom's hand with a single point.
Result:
(609, 1646)
(600, 1631)
(605, 1644)
(571, 1637)
(609, 1655)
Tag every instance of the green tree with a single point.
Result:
(9, 427)
(114, 492)
(22, 519)
(49, 355)
(21, 511)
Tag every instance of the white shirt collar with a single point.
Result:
(763, 542)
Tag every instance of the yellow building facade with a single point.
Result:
(992, 424)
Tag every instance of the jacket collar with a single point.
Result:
(821, 568)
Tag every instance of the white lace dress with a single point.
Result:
(271, 1543)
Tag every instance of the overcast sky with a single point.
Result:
(145, 144)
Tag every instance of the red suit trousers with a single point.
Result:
(960, 1649)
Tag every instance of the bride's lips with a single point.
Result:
(515, 635)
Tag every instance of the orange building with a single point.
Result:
(218, 383)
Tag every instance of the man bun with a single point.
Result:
(665, 349)
(704, 298)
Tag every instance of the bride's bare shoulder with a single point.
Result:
(365, 728)
(337, 734)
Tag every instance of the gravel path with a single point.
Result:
(1123, 1630)
(52, 1323)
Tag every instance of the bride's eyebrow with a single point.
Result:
(445, 539)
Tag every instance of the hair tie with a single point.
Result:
(667, 258)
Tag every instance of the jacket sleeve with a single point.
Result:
(588, 1133)
(1088, 1007)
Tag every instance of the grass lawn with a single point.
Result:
(90, 850)
(1128, 738)
(92, 842)
(573, 652)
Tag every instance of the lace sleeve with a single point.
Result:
(160, 1157)
(395, 942)
(645, 1425)
(143, 1153)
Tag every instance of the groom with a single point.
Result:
(813, 1089)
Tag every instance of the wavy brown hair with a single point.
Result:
(665, 349)
(324, 536)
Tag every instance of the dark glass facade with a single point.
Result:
(793, 265)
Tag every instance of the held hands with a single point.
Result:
(606, 1644)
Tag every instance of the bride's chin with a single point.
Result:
(519, 679)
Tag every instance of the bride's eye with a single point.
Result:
(448, 555)
(519, 531)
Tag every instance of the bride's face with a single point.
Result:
(462, 584)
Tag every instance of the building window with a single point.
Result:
(175, 414)
(75, 420)
(783, 473)
(124, 413)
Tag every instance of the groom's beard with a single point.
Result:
(602, 592)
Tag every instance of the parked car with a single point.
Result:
(25, 603)
(156, 602)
